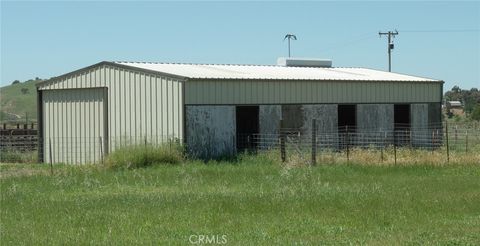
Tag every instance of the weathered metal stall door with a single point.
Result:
(75, 125)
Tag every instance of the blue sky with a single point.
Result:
(438, 40)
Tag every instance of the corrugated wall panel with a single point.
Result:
(148, 108)
(164, 107)
(203, 92)
(155, 106)
(73, 125)
(140, 105)
(171, 108)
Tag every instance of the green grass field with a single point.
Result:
(252, 201)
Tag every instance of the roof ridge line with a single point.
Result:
(237, 64)
(200, 64)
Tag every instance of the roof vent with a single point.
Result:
(303, 62)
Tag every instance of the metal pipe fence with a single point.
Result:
(400, 144)
(72, 150)
(450, 142)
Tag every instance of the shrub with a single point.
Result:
(476, 113)
(137, 156)
(10, 156)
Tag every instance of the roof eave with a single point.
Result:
(306, 79)
(102, 63)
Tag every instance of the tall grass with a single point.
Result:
(251, 200)
(378, 157)
(404, 156)
(137, 156)
(15, 156)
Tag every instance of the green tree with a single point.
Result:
(469, 98)
(16, 82)
(456, 89)
(475, 115)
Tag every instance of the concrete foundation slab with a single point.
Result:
(374, 117)
(421, 135)
(375, 123)
(300, 117)
(269, 123)
(292, 116)
(210, 131)
(327, 121)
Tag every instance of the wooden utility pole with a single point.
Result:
(390, 46)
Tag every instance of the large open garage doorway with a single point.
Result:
(247, 127)
(347, 124)
(401, 116)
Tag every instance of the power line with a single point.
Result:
(443, 30)
(352, 41)
(390, 46)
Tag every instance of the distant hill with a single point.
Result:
(18, 101)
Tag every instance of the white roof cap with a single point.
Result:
(303, 62)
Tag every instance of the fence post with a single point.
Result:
(50, 153)
(314, 142)
(347, 140)
(466, 141)
(282, 143)
(395, 146)
(438, 138)
(456, 135)
(300, 140)
(101, 149)
(234, 145)
(448, 147)
(433, 140)
(410, 138)
(383, 146)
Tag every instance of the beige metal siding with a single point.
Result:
(73, 126)
(140, 105)
(198, 92)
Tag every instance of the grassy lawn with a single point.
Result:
(253, 201)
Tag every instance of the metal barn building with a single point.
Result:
(92, 111)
